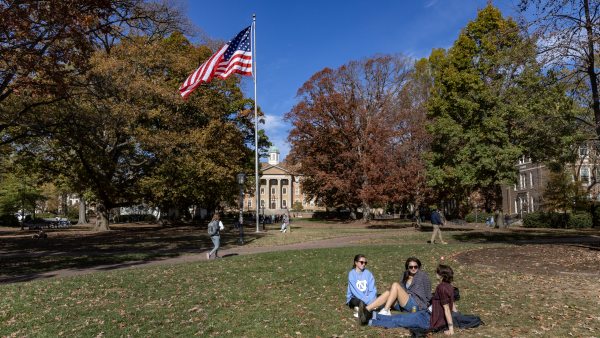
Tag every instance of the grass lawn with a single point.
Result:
(291, 293)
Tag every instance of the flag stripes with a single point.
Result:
(234, 57)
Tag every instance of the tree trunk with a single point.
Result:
(63, 204)
(591, 66)
(101, 218)
(82, 211)
(500, 220)
(366, 212)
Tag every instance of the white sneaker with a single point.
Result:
(208, 256)
(356, 312)
(385, 312)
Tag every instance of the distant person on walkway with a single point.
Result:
(361, 285)
(214, 231)
(412, 294)
(286, 221)
(490, 222)
(437, 220)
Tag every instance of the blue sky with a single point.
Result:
(295, 39)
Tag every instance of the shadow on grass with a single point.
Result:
(583, 238)
(24, 258)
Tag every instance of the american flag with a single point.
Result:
(234, 57)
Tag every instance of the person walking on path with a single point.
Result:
(286, 222)
(437, 221)
(214, 231)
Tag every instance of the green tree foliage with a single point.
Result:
(18, 193)
(491, 104)
(561, 192)
(130, 136)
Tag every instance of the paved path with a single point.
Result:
(335, 242)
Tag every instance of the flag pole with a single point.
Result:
(257, 191)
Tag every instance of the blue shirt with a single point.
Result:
(361, 285)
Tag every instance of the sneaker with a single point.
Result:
(385, 312)
(208, 256)
(356, 312)
(444, 242)
(363, 314)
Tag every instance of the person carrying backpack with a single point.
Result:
(214, 231)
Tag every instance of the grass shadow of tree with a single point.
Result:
(25, 258)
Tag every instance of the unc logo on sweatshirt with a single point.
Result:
(361, 285)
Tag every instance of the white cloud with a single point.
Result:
(277, 130)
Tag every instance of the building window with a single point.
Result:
(585, 175)
(583, 151)
(262, 191)
(284, 203)
(521, 181)
(530, 179)
(297, 190)
(272, 191)
(284, 191)
(249, 203)
(262, 203)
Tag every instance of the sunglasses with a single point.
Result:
(410, 267)
(362, 262)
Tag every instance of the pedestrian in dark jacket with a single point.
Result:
(437, 220)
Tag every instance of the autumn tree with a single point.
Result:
(354, 133)
(492, 102)
(46, 46)
(131, 136)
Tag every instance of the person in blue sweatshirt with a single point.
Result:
(361, 285)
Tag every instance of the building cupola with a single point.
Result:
(273, 155)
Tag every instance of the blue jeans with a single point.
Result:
(408, 307)
(217, 243)
(411, 320)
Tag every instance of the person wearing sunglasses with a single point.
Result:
(361, 285)
(437, 317)
(412, 294)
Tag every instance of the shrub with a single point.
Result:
(481, 217)
(580, 220)
(534, 220)
(9, 220)
(557, 220)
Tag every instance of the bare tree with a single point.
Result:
(570, 37)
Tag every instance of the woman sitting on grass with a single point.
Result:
(437, 317)
(410, 295)
(361, 285)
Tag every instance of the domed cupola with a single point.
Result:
(273, 155)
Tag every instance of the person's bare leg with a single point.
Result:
(396, 293)
(379, 301)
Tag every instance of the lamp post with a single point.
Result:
(263, 215)
(241, 179)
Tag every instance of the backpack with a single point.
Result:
(213, 228)
(466, 321)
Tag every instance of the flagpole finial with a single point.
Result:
(254, 17)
